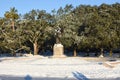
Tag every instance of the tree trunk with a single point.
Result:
(110, 54)
(87, 54)
(35, 48)
(13, 25)
(75, 53)
(13, 53)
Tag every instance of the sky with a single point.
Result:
(24, 6)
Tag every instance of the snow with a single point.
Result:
(37, 66)
(58, 45)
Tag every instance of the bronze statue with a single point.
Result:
(58, 35)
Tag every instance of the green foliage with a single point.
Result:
(12, 14)
(36, 27)
(13, 41)
(83, 27)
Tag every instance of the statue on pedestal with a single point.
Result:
(58, 50)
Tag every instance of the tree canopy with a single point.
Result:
(83, 28)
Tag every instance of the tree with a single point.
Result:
(13, 41)
(12, 16)
(36, 28)
(99, 30)
(68, 23)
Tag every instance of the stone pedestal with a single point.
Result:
(101, 56)
(58, 50)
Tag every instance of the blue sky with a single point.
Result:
(24, 6)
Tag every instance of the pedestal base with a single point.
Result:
(58, 51)
(101, 56)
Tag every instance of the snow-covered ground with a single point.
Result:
(69, 68)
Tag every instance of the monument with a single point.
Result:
(58, 49)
